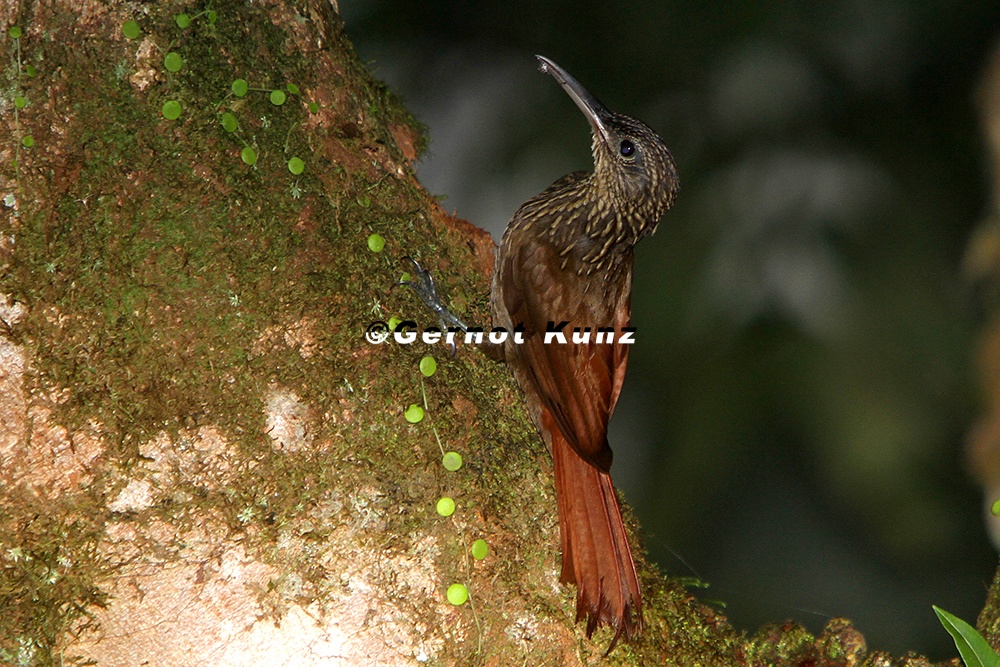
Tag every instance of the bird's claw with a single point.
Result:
(422, 282)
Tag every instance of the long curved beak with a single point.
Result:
(596, 113)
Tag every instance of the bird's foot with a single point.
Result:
(422, 282)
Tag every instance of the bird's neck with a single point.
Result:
(603, 230)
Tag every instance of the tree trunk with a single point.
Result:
(202, 459)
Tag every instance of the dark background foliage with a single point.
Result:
(792, 426)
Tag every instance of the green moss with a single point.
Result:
(165, 279)
(132, 290)
(48, 569)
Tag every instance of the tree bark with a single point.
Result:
(202, 459)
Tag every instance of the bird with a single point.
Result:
(565, 263)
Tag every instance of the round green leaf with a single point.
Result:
(414, 414)
(292, 88)
(173, 61)
(428, 366)
(394, 322)
(313, 107)
(28, 141)
(229, 122)
(376, 243)
(20, 102)
(296, 165)
(458, 594)
(182, 20)
(213, 16)
(278, 97)
(240, 87)
(452, 461)
(446, 506)
(30, 70)
(172, 110)
(480, 549)
(248, 155)
(995, 509)
(131, 29)
(14, 32)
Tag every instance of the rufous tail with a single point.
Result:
(596, 555)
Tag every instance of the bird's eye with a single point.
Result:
(627, 148)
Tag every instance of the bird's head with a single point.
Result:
(632, 165)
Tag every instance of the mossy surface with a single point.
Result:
(169, 285)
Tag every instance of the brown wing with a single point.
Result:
(578, 384)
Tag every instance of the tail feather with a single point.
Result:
(595, 549)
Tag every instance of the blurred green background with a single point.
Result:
(792, 425)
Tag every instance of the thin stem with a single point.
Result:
(17, 121)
